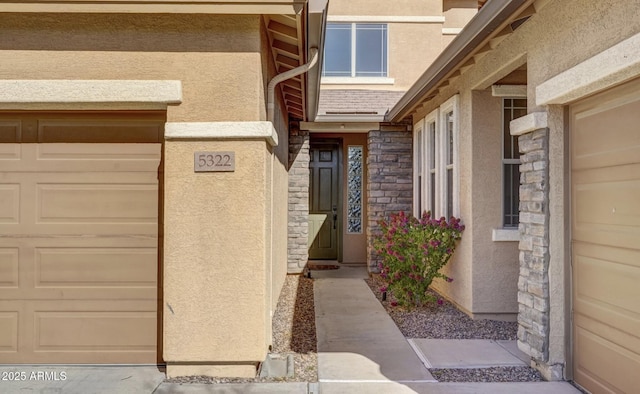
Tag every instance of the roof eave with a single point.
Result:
(492, 15)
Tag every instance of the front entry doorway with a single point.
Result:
(324, 200)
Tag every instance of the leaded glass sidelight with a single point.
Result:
(354, 190)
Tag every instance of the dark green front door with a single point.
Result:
(323, 201)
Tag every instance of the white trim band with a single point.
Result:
(451, 31)
(509, 91)
(528, 123)
(385, 19)
(611, 67)
(222, 130)
(357, 81)
(505, 235)
(38, 92)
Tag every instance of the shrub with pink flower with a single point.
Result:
(413, 251)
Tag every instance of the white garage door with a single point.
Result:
(605, 141)
(78, 240)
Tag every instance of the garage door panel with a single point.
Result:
(605, 255)
(78, 251)
(9, 332)
(10, 131)
(65, 204)
(9, 269)
(101, 157)
(609, 203)
(96, 203)
(98, 131)
(611, 284)
(592, 147)
(79, 331)
(91, 331)
(9, 202)
(10, 153)
(95, 267)
(64, 268)
(602, 365)
(60, 158)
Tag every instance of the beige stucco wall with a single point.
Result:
(561, 35)
(495, 265)
(386, 8)
(408, 55)
(458, 12)
(217, 58)
(214, 255)
(225, 239)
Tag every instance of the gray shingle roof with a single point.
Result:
(350, 101)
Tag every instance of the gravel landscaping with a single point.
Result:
(445, 321)
(294, 332)
(494, 374)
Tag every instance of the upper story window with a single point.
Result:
(356, 50)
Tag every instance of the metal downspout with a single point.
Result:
(271, 88)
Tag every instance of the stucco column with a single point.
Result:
(216, 249)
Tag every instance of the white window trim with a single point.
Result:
(505, 234)
(451, 105)
(357, 80)
(353, 79)
(438, 118)
(507, 161)
(418, 153)
(433, 117)
(386, 18)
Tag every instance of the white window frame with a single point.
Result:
(450, 106)
(438, 119)
(505, 160)
(432, 118)
(419, 156)
(369, 79)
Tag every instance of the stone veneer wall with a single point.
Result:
(389, 179)
(533, 283)
(298, 231)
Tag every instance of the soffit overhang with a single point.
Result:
(290, 38)
(494, 22)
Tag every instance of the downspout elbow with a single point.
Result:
(271, 87)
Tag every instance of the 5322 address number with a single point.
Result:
(214, 161)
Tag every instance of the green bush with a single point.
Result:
(413, 251)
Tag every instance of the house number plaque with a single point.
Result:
(214, 161)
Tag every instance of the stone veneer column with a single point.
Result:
(389, 180)
(298, 231)
(533, 283)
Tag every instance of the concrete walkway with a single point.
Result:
(357, 340)
(360, 350)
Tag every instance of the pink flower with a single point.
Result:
(440, 302)
(394, 303)
(383, 289)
